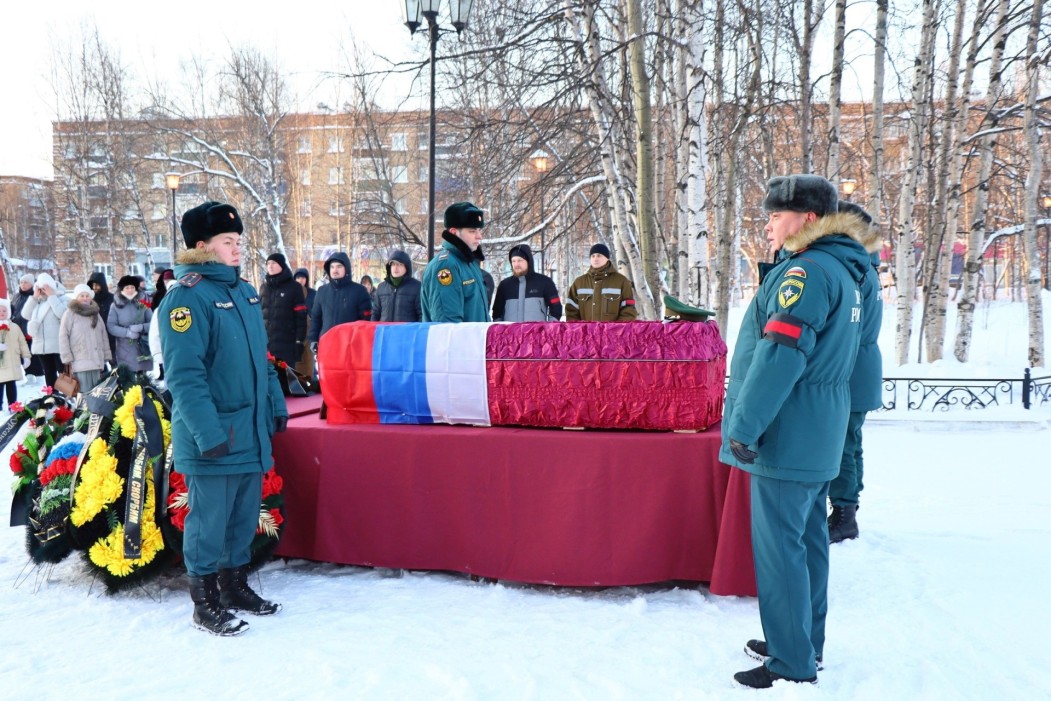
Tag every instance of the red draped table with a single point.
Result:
(576, 508)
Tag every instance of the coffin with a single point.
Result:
(637, 375)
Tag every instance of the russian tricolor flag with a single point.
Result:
(408, 373)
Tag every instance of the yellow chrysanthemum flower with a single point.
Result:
(125, 415)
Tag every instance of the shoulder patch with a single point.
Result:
(789, 292)
(190, 279)
(445, 277)
(224, 305)
(796, 271)
(180, 319)
(251, 300)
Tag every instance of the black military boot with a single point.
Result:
(234, 593)
(208, 613)
(842, 523)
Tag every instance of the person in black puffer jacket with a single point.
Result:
(527, 295)
(398, 296)
(284, 310)
(104, 298)
(340, 301)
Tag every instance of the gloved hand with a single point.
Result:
(218, 451)
(741, 452)
(3, 346)
(25, 362)
(313, 347)
(141, 328)
(280, 424)
(132, 334)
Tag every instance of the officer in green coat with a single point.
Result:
(226, 404)
(453, 283)
(786, 415)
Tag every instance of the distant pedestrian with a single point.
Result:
(526, 295)
(18, 301)
(284, 310)
(398, 297)
(454, 282)
(14, 354)
(129, 321)
(601, 294)
(83, 341)
(44, 311)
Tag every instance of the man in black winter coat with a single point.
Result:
(104, 298)
(284, 311)
(340, 301)
(526, 295)
(398, 297)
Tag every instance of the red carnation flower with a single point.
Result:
(62, 415)
(178, 517)
(16, 464)
(3, 327)
(47, 390)
(272, 483)
(276, 515)
(16, 407)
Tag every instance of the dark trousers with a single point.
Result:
(11, 388)
(221, 524)
(52, 365)
(845, 490)
(790, 548)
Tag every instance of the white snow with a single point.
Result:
(944, 596)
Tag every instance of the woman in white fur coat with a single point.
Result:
(44, 312)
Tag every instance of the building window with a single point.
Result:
(335, 144)
(335, 176)
(424, 170)
(158, 181)
(401, 206)
(397, 142)
(399, 174)
(304, 176)
(304, 208)
(304, 144)
(106, 269)
(368, 169)
(159, 212)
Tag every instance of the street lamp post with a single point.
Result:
(540, 162)
(459, 11)
(171, 181)
(848, 186)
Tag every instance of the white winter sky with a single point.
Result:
(306, 39)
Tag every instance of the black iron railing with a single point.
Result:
(942, 394)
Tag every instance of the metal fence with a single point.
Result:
(942, 394)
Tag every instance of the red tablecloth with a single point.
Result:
(578, 508)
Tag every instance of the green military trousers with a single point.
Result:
(845, 490)
(790, 548)
(223, 517)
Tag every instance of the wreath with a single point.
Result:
(119, 469)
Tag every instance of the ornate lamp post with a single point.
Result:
(171, 181)
(848, 187)
(459, 11)
(540, 162)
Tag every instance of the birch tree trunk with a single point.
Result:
(640, 84)
(906, 262)
(935, 291)
(976, 236)
(1033, 61)
(835, 102)
(806, 111)
(696, 232)
(875, 175)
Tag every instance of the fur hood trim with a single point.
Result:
(840, 223)
(89, 310)
(196, 256)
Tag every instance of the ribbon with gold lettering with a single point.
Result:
(149, 445)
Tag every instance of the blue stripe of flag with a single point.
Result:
(399, 378)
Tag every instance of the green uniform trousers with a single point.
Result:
(790, 548)
(224, 515)
(845, 489)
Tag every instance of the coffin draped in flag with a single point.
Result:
(639, 375)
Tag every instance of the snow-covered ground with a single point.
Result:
(944, 596)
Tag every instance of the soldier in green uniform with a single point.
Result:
(786, 415)
(453, 283)
(226, 404)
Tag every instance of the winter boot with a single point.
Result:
(842, 523)
(237, 595)
(762, 678)
(208, 613)
(756, 649)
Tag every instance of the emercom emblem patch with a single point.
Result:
(789, 292)
(180, 319)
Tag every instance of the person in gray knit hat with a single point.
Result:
(786, 411)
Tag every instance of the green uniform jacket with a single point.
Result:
(224, 390)
(453, 286)
(789, 392)
(601, 295)
(866, 384)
